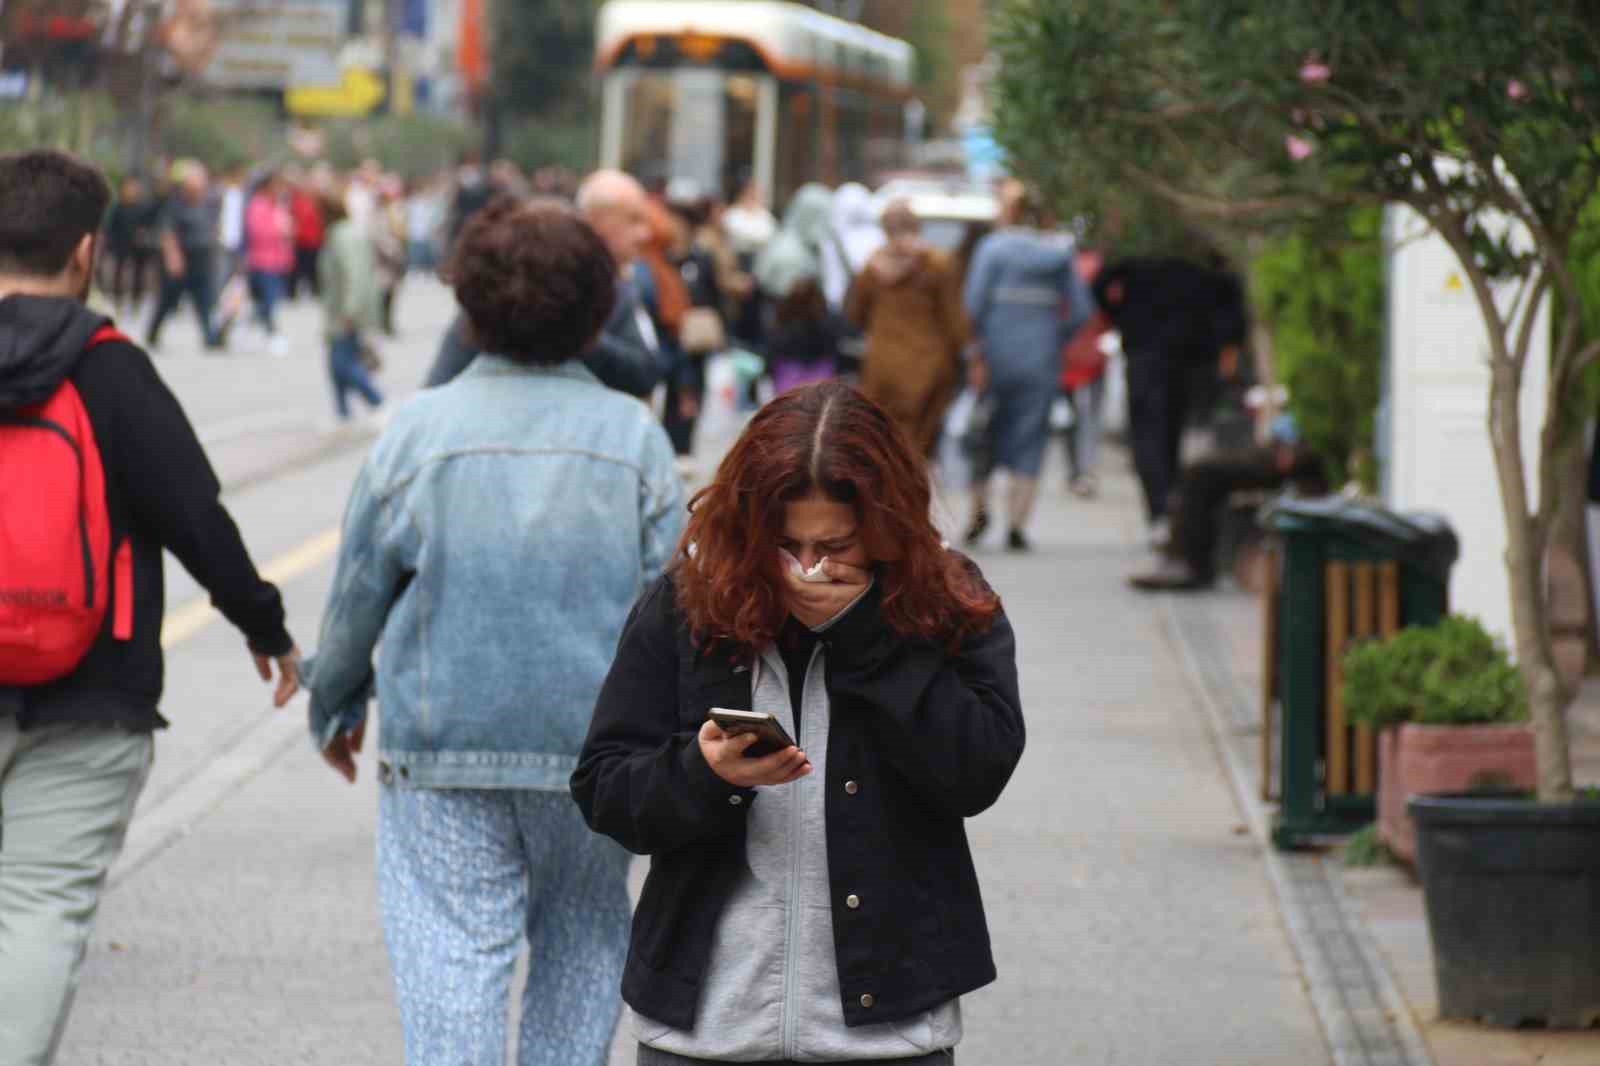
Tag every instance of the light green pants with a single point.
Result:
(66, 795)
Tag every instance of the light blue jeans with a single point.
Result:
(463, 876)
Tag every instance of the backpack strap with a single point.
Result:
(106, 334)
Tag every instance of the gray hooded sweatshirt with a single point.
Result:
(772, 983)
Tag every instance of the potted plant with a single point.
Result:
(1447, 704)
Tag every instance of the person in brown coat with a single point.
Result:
(908, 300)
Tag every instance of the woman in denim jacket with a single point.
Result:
(817, 903)
(495, 539)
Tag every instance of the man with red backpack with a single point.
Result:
(99, 472)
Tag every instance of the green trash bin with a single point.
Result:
(1350, 570)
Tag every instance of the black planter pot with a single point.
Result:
(1513, 895)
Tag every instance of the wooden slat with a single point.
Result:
(1269, 664)
(1388, 599)
(1338, 629)
(1366, 625)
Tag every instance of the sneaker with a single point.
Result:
(1085, 486)
(1169, 575)
(1160, 537)
(278, 346)
(980, 526)
(1016, 541)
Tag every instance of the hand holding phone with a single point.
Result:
(728, 753)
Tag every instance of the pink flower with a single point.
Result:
(1516, 90)
(1298, 147)
(1315, 72)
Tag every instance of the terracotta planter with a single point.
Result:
(1417, 760)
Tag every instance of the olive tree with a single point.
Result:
(1484, 118)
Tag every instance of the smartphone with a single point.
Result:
(772, 735)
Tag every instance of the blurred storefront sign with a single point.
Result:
(277, 44)
(358, 92)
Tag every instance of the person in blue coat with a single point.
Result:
(1025, 299)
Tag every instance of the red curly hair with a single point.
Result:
(828, 437)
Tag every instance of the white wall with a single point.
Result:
(1437, 454)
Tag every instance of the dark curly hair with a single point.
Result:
(535, 280)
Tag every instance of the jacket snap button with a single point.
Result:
(867, 1000)
(405, 772)
(852, 901)
(851, 788)
(385, 773)
(736, 800)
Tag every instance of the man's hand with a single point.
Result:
(815, 603)
(341, 753)
(288, 675)
(1228, 362)
(977, 374)
(725, 754)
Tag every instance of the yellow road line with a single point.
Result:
(185, 621)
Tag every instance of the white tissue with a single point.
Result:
(816, 575)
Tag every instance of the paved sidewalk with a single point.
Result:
(1224, 629)
(1132, 912)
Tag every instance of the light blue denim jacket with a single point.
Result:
(495, 540)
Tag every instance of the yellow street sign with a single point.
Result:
(358, 92)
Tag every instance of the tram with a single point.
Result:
(725, 91)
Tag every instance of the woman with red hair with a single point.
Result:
(817, 902)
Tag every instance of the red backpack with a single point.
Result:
(55, 538)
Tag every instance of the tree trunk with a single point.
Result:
(1548, 696)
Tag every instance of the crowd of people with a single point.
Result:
(568, 643)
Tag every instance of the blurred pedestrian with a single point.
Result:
(471, 193)
(347, 281)
(802, 334)
(855, 233)
(1177, 320)
(269, 254)
(626, 356)
(791, 914)
(496, 538)
(701, 332)
(187, 233)
(131, 244)
(1189, 562)
(389, 244)
(233, 202)
(81, 674)
(749, 226)
(310, 232)
(424, 216)
(908, 299)
(1083, 384)
(1025, 299)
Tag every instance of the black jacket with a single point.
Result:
(929, 736)
(1173, 308)
(161, 494)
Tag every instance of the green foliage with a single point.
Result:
(80, 121)
(1453, 673)
(412, 146)
(534, 143)
(1366, 848)
(542, 55)
(1321, 290)
(222, 131)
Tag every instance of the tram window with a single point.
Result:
(739, 139)
(647, 131)
(797, 140)
(694, 122)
